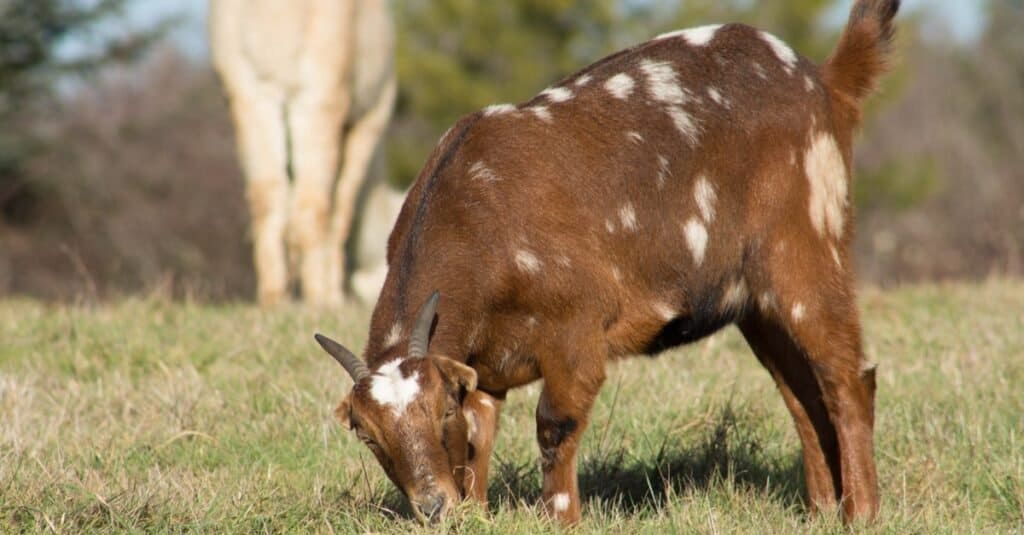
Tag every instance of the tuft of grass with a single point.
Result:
(147, 415)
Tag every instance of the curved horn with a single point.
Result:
(355, 367)
(420, 338)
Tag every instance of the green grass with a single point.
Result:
(145, 415)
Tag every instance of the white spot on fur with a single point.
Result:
(560, 502)
(527, 261)
(635, 137)
(798, 312)
(808, 83)
(480, 171)
(782, 50)
(389, 388)
(717, 97)
(583, 80)
(759, 70)
(663, 82)
(620, 86)
(699, 36)
(487, 402)
(557, 94)
(610, 226)
(835, 256)
(766, 301)
(735, 296)
(394, 335)
(685, 124)
(628, 217)
(531, 322)
(499, 109)
(616, 274)
(704, 194)
(826, 172)
(663, 171)
(563, 260)
(542, 113)
(664, 311)
(696, 239)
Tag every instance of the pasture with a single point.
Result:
(148, 415)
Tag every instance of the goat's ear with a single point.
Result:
(343, 412)
(456, 373)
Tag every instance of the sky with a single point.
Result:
(964, 19)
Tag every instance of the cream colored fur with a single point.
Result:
(312, 86)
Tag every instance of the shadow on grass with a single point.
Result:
(728, 451)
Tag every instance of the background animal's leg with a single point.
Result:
(562, 415)
(800, 391)
(482, 412)
(315, 119)
(259, 126)
(361, 143)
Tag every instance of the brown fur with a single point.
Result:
(577, 246)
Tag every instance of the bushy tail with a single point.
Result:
(862, 54)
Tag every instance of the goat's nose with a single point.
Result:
(432, 507)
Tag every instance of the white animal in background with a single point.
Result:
(312, 86)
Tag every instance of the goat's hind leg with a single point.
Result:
(800, 391)
(824, 332)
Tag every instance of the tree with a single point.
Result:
(31, 31)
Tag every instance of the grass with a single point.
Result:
(146, 415)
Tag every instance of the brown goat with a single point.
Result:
(692, 181)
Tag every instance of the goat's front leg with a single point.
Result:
(482, 412)
(562, 416)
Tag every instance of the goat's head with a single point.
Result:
(409, 413)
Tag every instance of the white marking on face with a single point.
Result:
(736, 295)
(696, 239)
(635, 137)
(699, 36)
(686, 124)
(499, 109)
(663, 170)
(628, 217)
(823, 164)
(557, 94)
(717, 97)
(480, 171)
(583, 80)
(808, 83)
(560, 502)
(609, 225)
(394, 335)
(542, 113)
(704, 194)
(663, 82)
(527, 261)
(798, 312)
(389, 388)
(471, 426)
(620, 86)
(664, 311)
(782, 51)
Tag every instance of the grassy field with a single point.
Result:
(146, 415)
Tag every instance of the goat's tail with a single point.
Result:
(862, 54)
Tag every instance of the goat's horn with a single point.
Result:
(355, 367)
(420, 338)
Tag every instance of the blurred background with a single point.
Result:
(118, 171)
